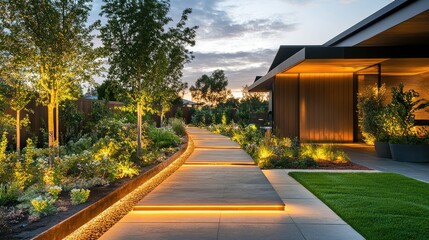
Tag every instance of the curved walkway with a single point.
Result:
(220, 194)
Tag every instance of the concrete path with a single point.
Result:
(224, 181)
(365, 155)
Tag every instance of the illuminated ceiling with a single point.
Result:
(410, 60)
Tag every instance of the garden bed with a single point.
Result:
(328, 165)
(272, 152)
(101, 197)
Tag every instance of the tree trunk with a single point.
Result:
(162, 119)
(139, 130)
(57, 125)
(51, 133)
(18, 133)
(57, 130)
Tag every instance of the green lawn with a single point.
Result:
(377, 205)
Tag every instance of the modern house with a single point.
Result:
(313, 89)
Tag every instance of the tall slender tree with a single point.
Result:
(15, 68)
(139, 45)
(63, 55)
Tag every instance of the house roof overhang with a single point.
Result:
(402, 22)
(319, 59)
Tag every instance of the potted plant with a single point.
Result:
(371, 107)
(407, 142)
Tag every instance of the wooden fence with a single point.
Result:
(38, 116)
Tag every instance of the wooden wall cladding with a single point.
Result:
(286, 107)
(326, 107)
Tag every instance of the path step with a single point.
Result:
(195, 130)
(209, 137)
(207, 156)
(218, 175)
(213, 188)
(216, 144)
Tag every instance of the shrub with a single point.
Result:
(324, 152)
(250, 134)
(21, 176)
(305, 162)
(163, 137)
(370, 107)
(203, 117)
(82, 144)
(70, 183)
(153, 156)
(126, 169)
(5, 174)
(79, 196)
(178, 126)
(400, 118)
(54, 191)
(9, 193)
(42, 206)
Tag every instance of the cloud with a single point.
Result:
(216, 23)
(235, 45)
(240, 67)
(346, 1)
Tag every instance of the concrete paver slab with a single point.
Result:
(331, 232)
(162, 231)
(216, 143)
(209, 136)
(279, 176)
(292, 191)
(311, 211)
(213, 187)
(172, 216)
(228, 231)
(255, 217)
(365, 155)
(195, 130)
(214, 156)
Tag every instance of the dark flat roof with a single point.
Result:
(284, 52)
(319, 59)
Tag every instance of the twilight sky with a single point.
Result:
(242, 36)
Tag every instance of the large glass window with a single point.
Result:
(413, 73)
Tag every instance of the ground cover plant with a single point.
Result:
(377, 205)
(270, 151)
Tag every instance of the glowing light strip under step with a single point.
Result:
(279, 207)
(219, 163)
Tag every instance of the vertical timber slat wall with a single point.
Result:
(286, 107)
(326, 107)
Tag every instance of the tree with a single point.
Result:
(6, 121)
(211, 89)
(15, 70)
(139, 49)
(251, 104)
(110, 90)
(62, 51)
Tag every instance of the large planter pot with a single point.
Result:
(382, 149)
(410, 152)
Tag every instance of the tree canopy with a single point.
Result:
(211, 89)
(58, 48)
(146, 56)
